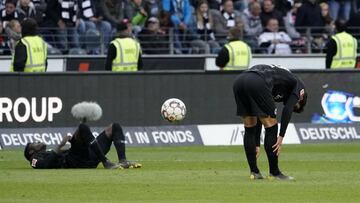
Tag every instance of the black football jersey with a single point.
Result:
(280, 80)
(47, 160)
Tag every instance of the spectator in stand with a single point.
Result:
(226, 19)
(240, 5)
(273, 41)
(92, 23)
(9, 13)
(26, 9)
(40, 8)
(13, 32)
(40, 4)
(153, 8)
(113, 11)
(204, 25)
(298, 42)
(329, 22)
(309, 15)
(153, 39)
(215, 4)
(135, 11)
(269, 11)
(180, 15)
(63, 18)
(2, 4)
(289, 20)
(340, 9)
(252, 24)
(283, 6)
(354, 25)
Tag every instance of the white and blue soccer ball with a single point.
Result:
(173, 110)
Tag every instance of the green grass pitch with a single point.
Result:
(323, 172)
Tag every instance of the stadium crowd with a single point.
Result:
(179, 26)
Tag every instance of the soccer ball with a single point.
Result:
(173, 110)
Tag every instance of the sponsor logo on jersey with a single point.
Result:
(33, 162)
(278, 97)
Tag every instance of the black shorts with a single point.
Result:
(104, 143)
(253, 96)
(73, 161)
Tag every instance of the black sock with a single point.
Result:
(250, 148)
(258, 133)
(119, 141)
(270, 140)
(94, 146)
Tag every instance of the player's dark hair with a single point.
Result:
(302, 104)
(27, 154)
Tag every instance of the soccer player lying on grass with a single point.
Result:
(256, 90)
(85, 151)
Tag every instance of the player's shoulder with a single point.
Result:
(279, 67)
(40, 160)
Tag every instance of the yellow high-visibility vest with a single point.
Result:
(127, 54)
(36, 51)
(239, 55)
(346, 51)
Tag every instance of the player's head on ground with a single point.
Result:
(300, 105)
(33, 148)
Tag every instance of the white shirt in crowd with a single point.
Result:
(283, 39)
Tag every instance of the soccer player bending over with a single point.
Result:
(256, 90)
(86, 151)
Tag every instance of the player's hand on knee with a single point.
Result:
(277, 145)
(257, 151)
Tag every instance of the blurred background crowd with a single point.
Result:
(180, 26)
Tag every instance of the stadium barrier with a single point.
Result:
(32, 101)
(175, 62)
(185, 135)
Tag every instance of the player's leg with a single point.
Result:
(250, 123)
(85, 135)
(104, 139)
(271, 134)
(114, 134)
(258, 137)
(265, 108)
(271, 130)
(119, 143)
(245, 109)
(265, 102)
(118, 138)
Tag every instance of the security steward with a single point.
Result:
(236, 54)
(124, 52)
(341, 50)
(30, 51)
